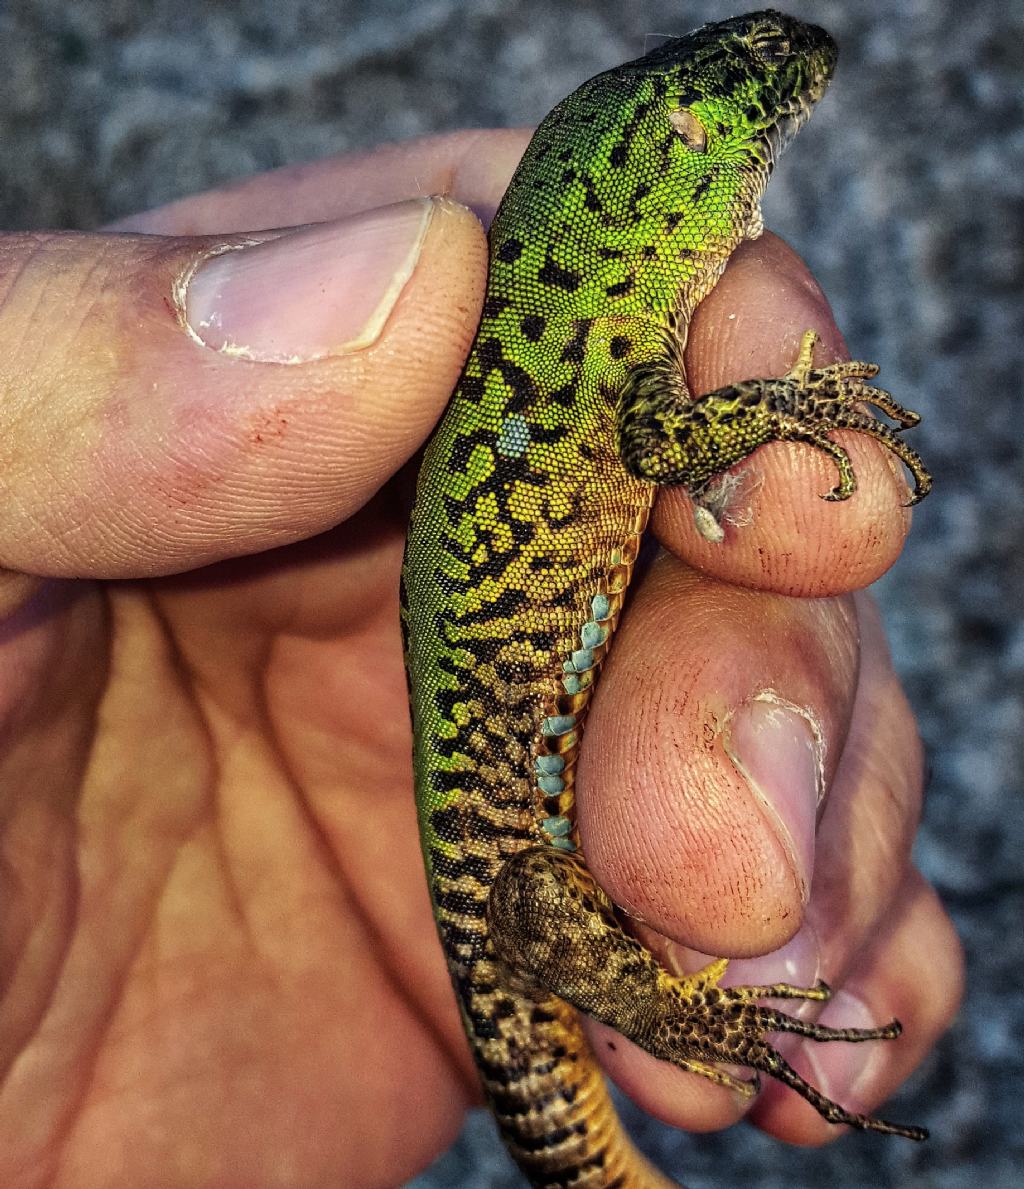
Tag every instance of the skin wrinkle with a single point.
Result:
(350, 892)
(42, 244)
(32, 1024)
(329, 855)
(16, 412)
(238, 903)
(100, 1026)
(650, 698)
(239, 906)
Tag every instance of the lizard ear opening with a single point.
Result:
(689, 129)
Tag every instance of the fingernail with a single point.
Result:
(322, 290)
(797, 962)
(846, 1073)
(777, 749)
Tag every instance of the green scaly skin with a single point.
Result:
(531, 503)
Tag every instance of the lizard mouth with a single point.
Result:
(790, 119)
(804, 80)
(793, 112)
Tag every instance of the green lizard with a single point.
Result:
(531, 502)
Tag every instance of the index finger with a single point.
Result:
(471, 166)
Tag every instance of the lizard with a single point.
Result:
(532, 498)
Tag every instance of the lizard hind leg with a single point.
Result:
(554, 929)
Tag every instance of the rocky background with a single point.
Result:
(906, 196)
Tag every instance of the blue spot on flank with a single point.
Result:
(572, 684)
(563, 843)
(600, 606)
(549, 765)
(551, 786)
(514, 436)
(583, 659)
(556, 827)
(558, 724)
(593, 634)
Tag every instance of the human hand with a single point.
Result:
(220, 962)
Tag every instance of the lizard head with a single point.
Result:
(727, 99)
(758, 76)
(640, 184)
(736, 92)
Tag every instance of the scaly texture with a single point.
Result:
(531, 502)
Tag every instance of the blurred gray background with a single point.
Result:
(906, 196)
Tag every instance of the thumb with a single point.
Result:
(169, 402)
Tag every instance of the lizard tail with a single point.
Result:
(552, 1104)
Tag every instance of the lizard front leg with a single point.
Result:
(667, 437)
(554, 929)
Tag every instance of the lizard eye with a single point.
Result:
(771, 46)
(689, 129)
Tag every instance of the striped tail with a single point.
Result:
(547, 1093)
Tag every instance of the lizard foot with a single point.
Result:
(666, 437)
(810, 401)
(556, 932)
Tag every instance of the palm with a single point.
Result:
(225, 924)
